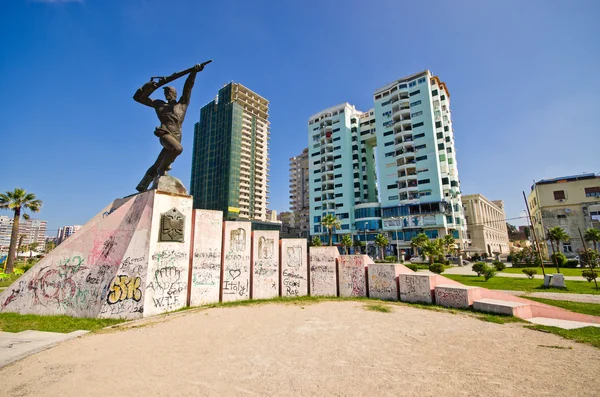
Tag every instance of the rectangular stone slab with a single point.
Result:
(294, 267)
(418, 287)
(235, 270)
(457, 296)
(265, 264)
(517, 309)
(206, 263)
(351, 274)
(383, 281)
(323, 271)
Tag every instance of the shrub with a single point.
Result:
(436, 268)
(480, 268)
(18, 271)
(530, 273)
(490, 272)
(391, 258)
(509, 258)
(571, 263)
(26, 267)
(561, 259)
(412, 267)
(590, 274)
(499, 266)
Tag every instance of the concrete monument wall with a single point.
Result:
(235, 270)
(351, 275)
(168, 266)
(418, 287)
(383, 281)
(457, 296)
(294, 267)
(206, 264)
(323, 271)
(265, 264)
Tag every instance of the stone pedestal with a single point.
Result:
(294, 267)
(556, 280)
(235, 273)
(418, 287)
(265, 264)
(457, 296)
(351, 275)
(206, 263)
(169, 184)
(383, 281)
(322, 271)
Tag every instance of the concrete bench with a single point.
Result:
(457, 296)
(497, 306)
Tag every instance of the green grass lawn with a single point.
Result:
(524, 284)
(13, 322)
(590, 335)
(578, 307)
(549, 270)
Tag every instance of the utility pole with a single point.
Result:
(534, 235)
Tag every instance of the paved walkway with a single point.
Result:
(15, 346)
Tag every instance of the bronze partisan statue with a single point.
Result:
(171, 114)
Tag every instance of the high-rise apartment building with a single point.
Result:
(570, 202)
(415, 188)
(33, 230)
(299, 198)
(65, 232)
(230, 162)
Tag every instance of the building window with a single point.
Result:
(416, 103)
(592, 191)
(394, 186)
(422, 181)
(446, 128)
(419, 147)
(415, 93)
(337, 147)
(417, 125)
(390, 143)
(443, 97)
(390, 154)
(441, 146)
(416, 114)
(559, 195)
(388, 133)
(421, 135)
(339, 156)
(445, 181)
(337, 176)
(439, 135)
(336, 139)
(412, 84)
(438, 124)
(337, 166)
(434, 93)
(567, 247)
(420, 158)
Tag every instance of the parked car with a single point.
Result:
(418, 259)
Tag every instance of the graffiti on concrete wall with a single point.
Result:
(294, 270)
(352, 275)
(236, 271)
(415, 288)
(265, 282)
(322, 271)
(382, 282)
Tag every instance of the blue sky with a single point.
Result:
(523, 79)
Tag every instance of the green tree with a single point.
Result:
(347, 242)
(556, 235)
(431, 249)
(50, 245)
(381, 241)
(449, 243)
(316, 241)
(33, 247)
(419, 241)
(17, 201)
(358, 245)
(330, 222)
(592, 235)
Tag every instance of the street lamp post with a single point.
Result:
(397, 242)
(366, 245)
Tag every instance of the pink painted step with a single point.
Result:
(517, 309)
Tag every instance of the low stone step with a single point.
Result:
(457, 296)
(564, 324)
(497, 306)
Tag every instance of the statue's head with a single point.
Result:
(170, 93)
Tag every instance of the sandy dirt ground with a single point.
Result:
(330, 348)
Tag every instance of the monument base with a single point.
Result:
(131, 260)
(169, 184)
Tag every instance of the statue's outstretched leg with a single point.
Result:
(172, 149)
(151, 173)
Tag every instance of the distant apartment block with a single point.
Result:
(34, 231)
(299, 197)
(230, 159)
(415, 189)
(486, 224)
(65, 232)
(571, 202)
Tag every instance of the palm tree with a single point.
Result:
(346, 242)
(419, 241)
(381, 241)
(50, 245)
(592, 235)
(316, 241)
(556, 235)
(32, 247)
(449, 243)
(17, 201)
(330, 222)
(431, 249)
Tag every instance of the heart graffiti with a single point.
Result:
(235, 273)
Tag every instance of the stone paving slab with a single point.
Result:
(564, 324)
(15, 346)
